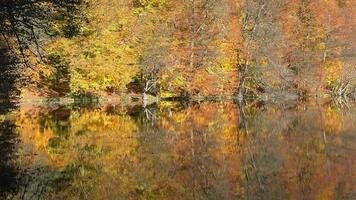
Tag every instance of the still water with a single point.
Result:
(214, 150)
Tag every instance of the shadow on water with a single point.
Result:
(8, 142)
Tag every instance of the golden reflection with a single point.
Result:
(205, 151)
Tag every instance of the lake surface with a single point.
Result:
(213, 150)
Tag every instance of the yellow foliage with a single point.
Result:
(333, 72)
(2, 118)
(334, 121)
(106, 58)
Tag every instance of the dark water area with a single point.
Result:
(213, 150)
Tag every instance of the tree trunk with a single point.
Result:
(242, 78)
(192, 44)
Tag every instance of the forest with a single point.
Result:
(177, 99)
(185, 49)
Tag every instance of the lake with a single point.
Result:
(172, 150)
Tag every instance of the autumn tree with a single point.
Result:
(199, 63)
(104, 58)
(23, 26)
(262, 46)
(319, 35)
(295, 46)
(153, 33)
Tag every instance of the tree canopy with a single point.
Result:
(182, 48)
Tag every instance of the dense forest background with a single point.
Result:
(178, 48)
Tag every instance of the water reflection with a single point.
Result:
(170, 151)
(8, 155)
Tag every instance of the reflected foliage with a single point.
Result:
(214, 150)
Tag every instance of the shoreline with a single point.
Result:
(132, 99)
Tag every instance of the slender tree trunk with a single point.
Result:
(193, 29)
(242, 79)
(205, 33)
